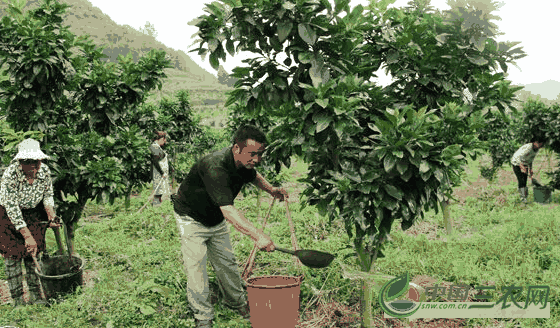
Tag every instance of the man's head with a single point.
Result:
(248, 146)
(160, 137)
(538, 143)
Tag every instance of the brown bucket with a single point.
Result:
(274, 301)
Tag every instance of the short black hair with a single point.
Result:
(246, 132)
(538, 139)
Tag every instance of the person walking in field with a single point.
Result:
(26, 210)
(205, 199)
(522, 162)
(160, 167)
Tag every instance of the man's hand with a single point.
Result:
(523, 168)
(264, 243)
(279, 193)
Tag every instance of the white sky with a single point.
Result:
(531, 22)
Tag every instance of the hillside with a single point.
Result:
(84, 18)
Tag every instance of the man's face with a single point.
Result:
(250, 155)
(537, 145)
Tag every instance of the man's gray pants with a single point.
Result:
(197, 244)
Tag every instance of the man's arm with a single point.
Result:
(263, 184)
(243, 225)
(278, 193)
(238, 220)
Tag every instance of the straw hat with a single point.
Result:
(30, 149)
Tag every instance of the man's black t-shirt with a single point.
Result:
(212, 182)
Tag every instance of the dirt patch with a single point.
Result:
(89, 277)
(473, 189)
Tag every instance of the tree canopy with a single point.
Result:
(375, 154)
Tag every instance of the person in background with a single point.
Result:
(160, 167)
(205, 200)
(26, 210)
(522, 162)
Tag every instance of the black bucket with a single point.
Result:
(60, 276)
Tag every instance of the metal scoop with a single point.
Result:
(310, 258)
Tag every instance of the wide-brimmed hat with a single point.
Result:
(30, 149)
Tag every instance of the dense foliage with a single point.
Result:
(501, 139)
(375, 154)
(86, 108)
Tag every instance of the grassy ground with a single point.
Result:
(134, 276)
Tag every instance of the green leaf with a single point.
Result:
(146, 309)
(389, 162)
(307, 33)
(322, 120)
(438, 173)
(288, 5)
(213, 45)
(442, 37)
(280, 83)
(284, 29)
(392, 57)
(478, 61)
(503, 65)
(276, 44)
(393, 191)
(230, 47)
(305, 57)
(424, 167)
(340, 5)
(402, 166)
(214, 61)
(407, 175)
(322, 102)
(316, 76)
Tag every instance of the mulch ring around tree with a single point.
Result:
(330, 313)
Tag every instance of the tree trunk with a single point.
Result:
(367, 297)
(366, 300)
(447, 220)
(127, 199)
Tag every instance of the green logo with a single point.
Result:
(389, 294)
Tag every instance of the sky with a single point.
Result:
(531, 23)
